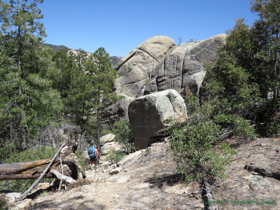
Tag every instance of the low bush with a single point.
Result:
(115, 156)
(83, 160)
(124, 136)
(4, 204)
(197, 147)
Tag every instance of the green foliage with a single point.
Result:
(102, 76)
(38, 153)
(247, 70)
(82, 158)
(115, 156)
(124, 136)
(194, 145)
(155, 176)
(6, 150)
(105, 131)
(4, 204)
(27, 100)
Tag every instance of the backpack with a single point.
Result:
(91, 151)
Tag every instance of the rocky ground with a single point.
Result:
(147, 179)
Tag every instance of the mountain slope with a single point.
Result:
(114, 59)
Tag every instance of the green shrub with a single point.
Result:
(5, 150)
(26, 156)
(115, 156)
(124, 135)
(271, 128)
(155, 175)
(82, 158)
(4, 205)
(194, 146)
(105, 131)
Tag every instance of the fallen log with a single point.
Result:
(62, 177)
(41, 176)
(17, 168)
(24, 176)
(262, 172)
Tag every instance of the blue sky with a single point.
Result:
(121, 25)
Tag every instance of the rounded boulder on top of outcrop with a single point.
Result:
(135, 68)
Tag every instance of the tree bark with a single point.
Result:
(98, 136)
(24, 176)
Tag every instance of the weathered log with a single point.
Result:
(24, 176)
(62, 177)
(61, 172)
(41, 176)
(262, 172)
(208, 196)
(17, 168)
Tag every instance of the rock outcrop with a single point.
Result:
(147, 114)
(107, 144)
(135, 68)
(157, 65)
(184, 66)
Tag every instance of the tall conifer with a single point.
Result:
(102, 77)
(27, 100)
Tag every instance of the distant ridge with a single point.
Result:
(114, 59)
(56, 47)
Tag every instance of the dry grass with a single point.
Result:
(78, 183)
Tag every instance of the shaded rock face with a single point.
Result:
(116, 111)
(184, 66)
(147, 114)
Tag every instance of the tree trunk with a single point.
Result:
(11, 131)
(98, 135)
(23, 138)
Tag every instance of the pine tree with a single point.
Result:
(267, 33)
(247, 71)
(102, 78)
(27, 100)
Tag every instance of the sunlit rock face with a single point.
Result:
(184, 67)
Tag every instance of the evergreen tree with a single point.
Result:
(102, 78)
(248, 71)
(27, 100)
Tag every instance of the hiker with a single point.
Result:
(92, 152)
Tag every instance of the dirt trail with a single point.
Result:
(147, 180)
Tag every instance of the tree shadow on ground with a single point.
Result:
(70, 204)
(170, 180)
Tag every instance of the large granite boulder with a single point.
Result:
(149, 113)
(135, 68)
(184, 66)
